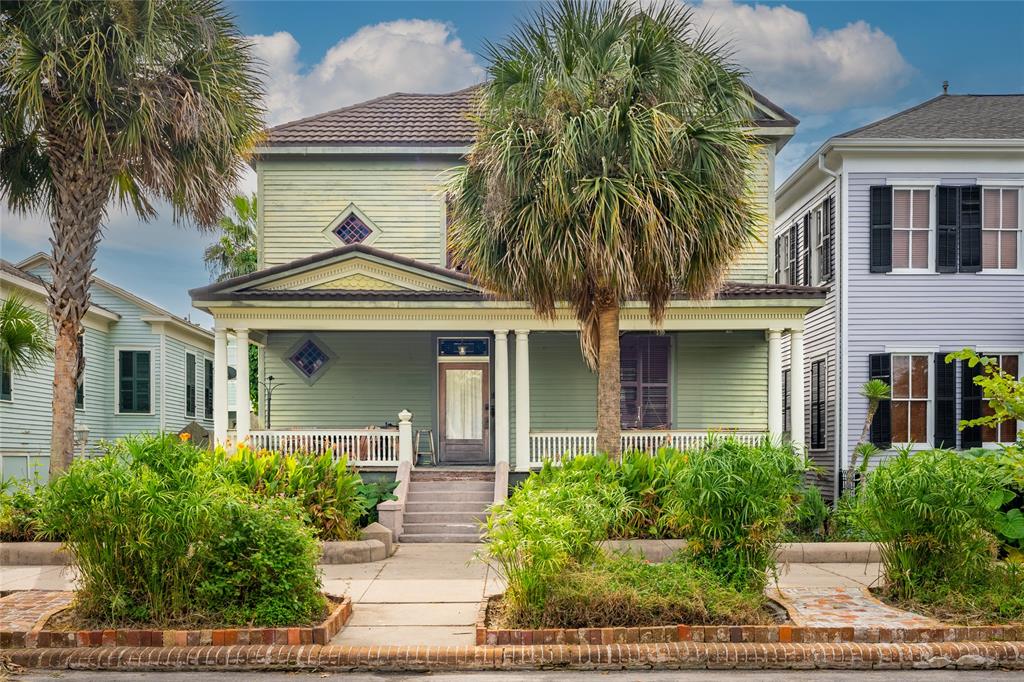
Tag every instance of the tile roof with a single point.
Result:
(12, 269)
(989, 117)
(403, 118)
(400, 118)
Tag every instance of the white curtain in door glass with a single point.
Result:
(464, 404)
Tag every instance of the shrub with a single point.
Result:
(732, 501)
(810, 515)
(625, 591)
(932, 513)
(18, 512)
(326, 489)
(153, 525)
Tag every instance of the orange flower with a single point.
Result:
(185, 437)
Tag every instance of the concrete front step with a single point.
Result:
(448, 507)
(439, 537)
(443, 516)
(441, 528)
(452, 486)
(450, 496)
(452, 475)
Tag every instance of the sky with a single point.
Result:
(835, 65)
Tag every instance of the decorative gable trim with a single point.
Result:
(361, 274)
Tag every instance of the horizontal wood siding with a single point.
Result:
(373, 377)
(930, 312)
(721, 380)
(402, 197)
(175, 419)
(752, 264)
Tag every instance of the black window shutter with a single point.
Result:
(778, 260)
(945, 403)
(970, 229)
(970, 404)
(806, 248)
(881, 229)
(947, 227)
(629, 379)
(794, 245)
(880, 367)
(828, 255)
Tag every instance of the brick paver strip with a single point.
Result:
(678, 655)
(835, 607)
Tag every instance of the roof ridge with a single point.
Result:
(891, 116)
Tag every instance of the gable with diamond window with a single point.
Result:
(351, 226)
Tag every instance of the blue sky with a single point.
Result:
(835, 65)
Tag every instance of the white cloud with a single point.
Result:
(813, 70)
(409, 55)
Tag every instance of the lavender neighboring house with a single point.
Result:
(913, 223)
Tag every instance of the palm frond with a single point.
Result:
(24, 342)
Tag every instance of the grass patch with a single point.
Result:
(625, 591)
(998, 598)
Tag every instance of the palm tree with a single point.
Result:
(234, 252)
(23, 341)
(146, 101)
(611, 164)
(875, 390)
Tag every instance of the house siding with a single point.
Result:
(752, 264)
(721, 380)
(931, 312)
(402, 197)
(820, 343)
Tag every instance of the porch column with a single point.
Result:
(522, 400)
(501, 396)
(774, 383)
(220, 386)
(796, 389)
(243, 406)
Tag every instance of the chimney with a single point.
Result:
(945, 87)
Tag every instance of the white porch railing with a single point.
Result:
(559, 445)
(364, 447)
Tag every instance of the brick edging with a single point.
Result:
(741, 634)
(39, 637)
(676, 655)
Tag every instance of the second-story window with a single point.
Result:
(190, 385)
(911, 229)
(1000, 228)
(352, 230)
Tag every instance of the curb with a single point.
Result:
(789, 552)
(668, 656)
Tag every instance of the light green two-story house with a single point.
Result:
(377, 347)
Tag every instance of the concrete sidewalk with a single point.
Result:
(428, 594)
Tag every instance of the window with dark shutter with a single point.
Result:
(970, 404)
(644, 363)
(778, 260)
(881, 229)
(827, 240)
(787, 415)
(5, 382)
(80, 378)
(190, 385)
(945, 403)
(879, 367)
(794, 253)
(970, 229)
(947, 227)
(817, 404)
(805, 251)
(134, 381)
(208, 389)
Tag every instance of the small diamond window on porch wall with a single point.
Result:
(309, 358)
(352, 230)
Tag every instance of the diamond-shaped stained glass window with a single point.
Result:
(352, 230)
(309, 359)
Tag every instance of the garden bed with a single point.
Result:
(57, 628)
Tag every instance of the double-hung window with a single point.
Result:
(818, 396)
(911, 398)
(644, 370)
(1004, 432)
(783, 262)
(190, 385)
(912, 221)
(1000, 228)
(134, 380)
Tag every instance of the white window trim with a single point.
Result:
(152, 380)
(1020, 228)
(930, 410)
(918, 186)
(195, 384)
(818, 233)
(328, 231)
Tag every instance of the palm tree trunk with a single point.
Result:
(609, 423)
(80, 196)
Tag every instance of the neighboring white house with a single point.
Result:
(914, 225)
(144, 370)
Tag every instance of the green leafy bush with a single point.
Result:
(932, 513)
(18, 512)
(626, 591)
(810, 516)
(153, 526)
(732, 501)
(327, 489)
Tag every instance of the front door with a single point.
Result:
(463, 391)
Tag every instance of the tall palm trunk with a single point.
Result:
(80, 195)
(609, 423)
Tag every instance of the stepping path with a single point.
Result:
(23, 611)
(845, 607)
